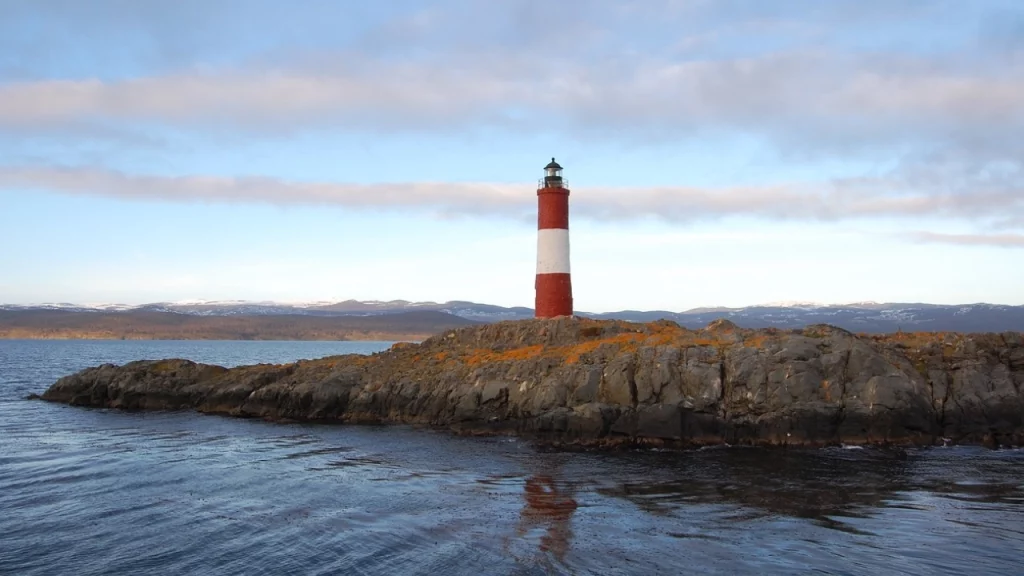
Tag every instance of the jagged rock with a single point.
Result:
(613, 383)
(721, 325)
(617, 384)
(494, 391)
(588, 384)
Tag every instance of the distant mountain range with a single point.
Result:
(869, 317)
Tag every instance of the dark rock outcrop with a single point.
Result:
(571, 380)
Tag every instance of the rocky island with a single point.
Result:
(573, 381)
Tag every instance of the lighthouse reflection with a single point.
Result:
(548, 505)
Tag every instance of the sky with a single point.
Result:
(718, 152)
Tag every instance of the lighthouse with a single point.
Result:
(553, 285)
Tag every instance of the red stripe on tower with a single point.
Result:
(553, 285)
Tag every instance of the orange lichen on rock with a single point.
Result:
(918, 339)
(916, 345)
(593, 341)
(828, 393)
(480, 356)
(652, 334)
(625, 342)
(361, 360)
(755, 341)
(619, 337)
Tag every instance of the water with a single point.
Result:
(85, 491)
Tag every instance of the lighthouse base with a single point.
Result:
(554, 295)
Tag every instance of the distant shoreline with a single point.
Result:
(147, 325)
(381, 338)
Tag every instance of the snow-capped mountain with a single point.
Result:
(70, 307)
(857, 317)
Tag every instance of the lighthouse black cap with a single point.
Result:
(553, 165)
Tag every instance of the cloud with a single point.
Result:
(603, 69)
(998, 240)
(259, 101)
(452, 198)
(813, 202)
(781, 95)
(905, 83)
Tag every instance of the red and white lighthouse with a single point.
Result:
(554, 287)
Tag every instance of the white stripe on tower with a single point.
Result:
(553, 251)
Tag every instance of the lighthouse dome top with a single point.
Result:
(553, 175)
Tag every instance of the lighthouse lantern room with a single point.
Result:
(552, 174)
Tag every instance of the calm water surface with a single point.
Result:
(85, 491)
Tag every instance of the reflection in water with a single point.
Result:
(548, 505)
(805, 509)
(832, 488)
(820, 486)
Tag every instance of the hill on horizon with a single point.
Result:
(402, 319)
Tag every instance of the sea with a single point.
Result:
(95, 491)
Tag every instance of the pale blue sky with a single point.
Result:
(726, 152)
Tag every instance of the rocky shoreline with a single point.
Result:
(573, 381)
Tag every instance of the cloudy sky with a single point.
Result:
(719, 152)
